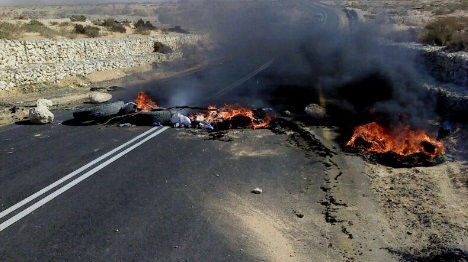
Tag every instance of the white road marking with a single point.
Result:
(71, 184)
(72, 174)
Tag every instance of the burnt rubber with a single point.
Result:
(98, 112)
(163, 117)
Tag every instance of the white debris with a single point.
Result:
(205, 125)
(41, 115)
(257, 190)
(99, 97)
(315, 111)
(179, 120)
(125, 125)
(199, 118)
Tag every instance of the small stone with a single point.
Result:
(99, 97)
(315, 111)
(257, 190)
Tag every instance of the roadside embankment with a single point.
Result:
(451, 72)
(30, 62)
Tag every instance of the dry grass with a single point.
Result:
(36, 26)
(10, 31)
(446, 31)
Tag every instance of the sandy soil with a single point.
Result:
(416, 214)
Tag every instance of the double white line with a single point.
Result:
(112, 156)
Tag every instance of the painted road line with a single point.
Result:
(72, 174)
(73, 183)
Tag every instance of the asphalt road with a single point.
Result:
(178, 196)
(105, 193)
(108, 193)
(97, 193)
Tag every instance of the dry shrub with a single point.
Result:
(64, 24)
(38, 27)
(10, 31)
(67, 33)
(460, 43)
(112, 25)
(142, 31)
(90, 31)
(159, 47)
(444, 30)
(78, 18)
(140, 24)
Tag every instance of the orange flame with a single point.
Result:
(144, 102)
(228, 112)
(403, 141)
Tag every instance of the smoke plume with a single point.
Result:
(317, 56)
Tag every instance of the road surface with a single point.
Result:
(108, 193)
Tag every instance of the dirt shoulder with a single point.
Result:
(409, 214)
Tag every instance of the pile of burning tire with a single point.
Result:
(211, 117)
(397, 146)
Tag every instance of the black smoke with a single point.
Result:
(316, 56)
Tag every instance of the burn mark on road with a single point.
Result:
(337, 176)
(333, 206)
(432, 254)
(346, 232)
(302, 138)
(220, 136)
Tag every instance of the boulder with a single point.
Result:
(315, 111)
(41, 115)
(99, 97)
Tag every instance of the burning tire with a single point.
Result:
(162, 117)
(99, 112)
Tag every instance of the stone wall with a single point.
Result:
(445, 66)
(452, 70)
(48, 61)
(448, 67)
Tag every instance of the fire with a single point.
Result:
(229, 112)
(144, 102)
(374, 138)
